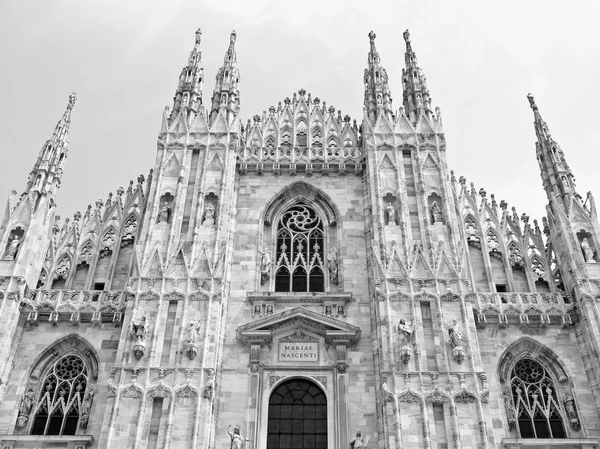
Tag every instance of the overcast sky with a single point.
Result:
(123, 59)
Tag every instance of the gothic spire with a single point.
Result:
(558, 180)
(377, 92)
(46, 174)
(416, 98)
(188, 96)
(226, 97)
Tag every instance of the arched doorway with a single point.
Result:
(297, 416)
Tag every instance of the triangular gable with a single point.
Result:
(396, 268)
(178, 125)
(386, 163)
(203, 267)
(445, 268)
(178, 267)
(220, 124)
(423, 126)
(199, 124)
(330, 328)
(420, 267)
(382, 125)
(403, 126)
(155, 267)
(430, 163)
(172, 167)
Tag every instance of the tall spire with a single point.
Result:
(378, 100)
(558, 180)
(46, 174)
(226, 96)
(188, 96)
(416, 98)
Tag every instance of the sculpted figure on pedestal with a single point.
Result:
(405, 333)
(237, 441)
(436, 213)
(209, 215)
(391, 214)
(588, 252)
(13, 246)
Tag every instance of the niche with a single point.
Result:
(435, 208)
(14, 243)
(209, 217)
(586, 245)
(390, 206)
(166, 208)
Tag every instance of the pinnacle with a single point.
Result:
(532, 102)
(406, 36)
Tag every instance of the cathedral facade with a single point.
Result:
(299, 280)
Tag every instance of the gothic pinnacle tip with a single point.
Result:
(72, 100)
(406, 36)
(198, 35)
(532, 102)
(233, 36)
(372, 36)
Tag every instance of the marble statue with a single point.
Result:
(332, 265)
(140, 330)
(193, 328)
(588, 252)
(405, 333)
(237, 441)
(391, 214)
(265, 267)
(209, 215)
(436, 213)
(25, 408)
(165, 213)
(357, 442)
(13, 246)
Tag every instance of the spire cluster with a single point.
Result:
(378, 100)
(416, 99)
(226, 96)
(557, 177)
(46, 174)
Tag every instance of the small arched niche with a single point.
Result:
(14, 243)
(165, 210)
(587, 246)
(434, 201)
(211, 203)
(390, 207)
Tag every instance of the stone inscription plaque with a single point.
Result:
(298, 351)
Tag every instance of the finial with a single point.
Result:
(406, 36)
(532, 102)
(302, 92)
(372, 36)
(72, 100)
(232, 37)
(198, 35)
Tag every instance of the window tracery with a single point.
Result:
(536, 406)
(300, 246)
(59, 406)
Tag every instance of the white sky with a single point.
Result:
(123, 59)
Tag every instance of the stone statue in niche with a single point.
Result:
(86, 407)
(332, 265)
(391, 214)
(13, 247)
(265, 267)
(25, 408)
(164, 215)
(510, 411)
(588, 252)
(269, 310)
(571, 413)
(456, 339)
(209, 215)
(191, 346)
(436, 213)
(328, 310)
(257, 309)
(406, 333)
(237, 440)
(139, 335)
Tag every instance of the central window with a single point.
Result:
(297, 416)
(299, 256)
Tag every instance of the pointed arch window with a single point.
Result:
(300, 246)
(537, 409)
(58, 410)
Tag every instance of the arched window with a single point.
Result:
(60, 401)
(300, 246)
(537, 409)
(297, 416)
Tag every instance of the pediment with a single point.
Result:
(263, 330)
